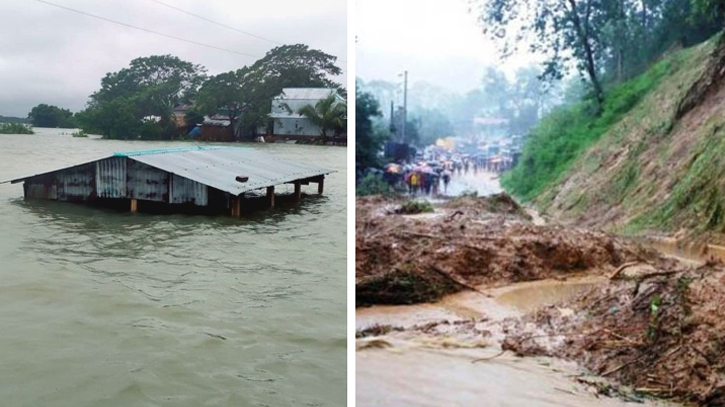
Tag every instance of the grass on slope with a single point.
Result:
(562, 136)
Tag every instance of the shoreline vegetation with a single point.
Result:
(16, 128)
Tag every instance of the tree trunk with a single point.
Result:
(620, 65)
(644, 14)
(234, 129)
(582, 31)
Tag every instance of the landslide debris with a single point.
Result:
(661, 332)
(501, 203)
(403, 259)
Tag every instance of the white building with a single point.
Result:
(287, 122)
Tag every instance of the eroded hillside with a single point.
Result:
(662, 166)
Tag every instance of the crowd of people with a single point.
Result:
(427, 178)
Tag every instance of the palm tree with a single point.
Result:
(328, 113)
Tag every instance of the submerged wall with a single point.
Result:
(117, 178)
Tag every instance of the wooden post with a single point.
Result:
(270, 196)
(321, 184)
(134, 206)
(236, 206)
(298, 190)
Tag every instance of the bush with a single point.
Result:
(16, 128)
(373, 185)
(151, 131)
(468, 193)
(415, 207)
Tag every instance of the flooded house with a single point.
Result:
(205, 180)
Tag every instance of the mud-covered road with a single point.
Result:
(441, 294)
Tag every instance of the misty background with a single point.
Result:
(456, 77)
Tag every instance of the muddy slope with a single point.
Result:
(660, 330)
(661, 167)
(410, 259)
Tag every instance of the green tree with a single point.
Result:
(115, 119)
(368, 142)
(193, 118)
(150, 86)
(433, 125)
(328, 114)
(286, 66)
(557, 28)
(44, 115)
(229, 93)
(713, 10)
(297, 66)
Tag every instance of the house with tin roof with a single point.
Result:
(200, 179)
(285, 108)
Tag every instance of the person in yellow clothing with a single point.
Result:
(414, 182)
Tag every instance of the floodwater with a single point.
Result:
(99, 308)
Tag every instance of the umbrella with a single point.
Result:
(393, 168)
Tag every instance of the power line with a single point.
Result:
(146, 30)
(215, 22)
(221, 24)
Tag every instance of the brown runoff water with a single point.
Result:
(99, 308)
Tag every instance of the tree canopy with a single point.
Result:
(51, 116)
(368, 141)
(605, 40)
(139, 100)
(245, 95)
(150, 86)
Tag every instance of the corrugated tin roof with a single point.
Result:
(218, 167)
(305, 93)
(286, 116)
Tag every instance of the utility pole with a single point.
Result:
(392, 118)
(405, 105)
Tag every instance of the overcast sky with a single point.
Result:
(436, 41)
(54, 56)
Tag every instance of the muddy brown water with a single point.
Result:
(99, 308)
(408, 369)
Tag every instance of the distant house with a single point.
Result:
(287, 122)
(217, 128)
(180, 113)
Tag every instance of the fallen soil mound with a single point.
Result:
(662, 332)
(501, 203)
(413, 259)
